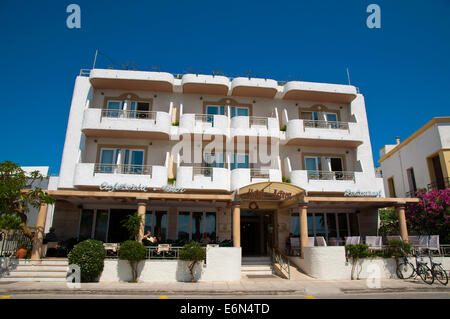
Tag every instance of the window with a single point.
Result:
(313, 116)
(101, 224)
(411, 181)
(133, 161)
(239, 111)
(139, 110)
(214, 160)
(239, 161)
(343, 228)
(114, 108)
(391, 187)
(331, 226)
(320, 228)
(196, 224)
(332, 120)
(86, 222)
(295, 225)
(108, 160)
(156, 223)
(212, 110)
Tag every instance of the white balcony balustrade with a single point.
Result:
(215, 178)
(328, 181)
(255, 126)
(126, 123)
(244, 176)
(204, 124)
(323, 133)
(95, 174)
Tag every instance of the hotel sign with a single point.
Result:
(350, 193)
(261, 195)
(105, 186)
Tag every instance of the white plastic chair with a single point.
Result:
(311, 242)
(423, 241)
(396, 237)
(352, 240)
(374, 242)
(321, 241)
(414, 240)
(433, 243)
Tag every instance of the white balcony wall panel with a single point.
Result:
(93, 120)
(241, 177)
(295, 129)
(241, 126)
(218, 126)
(85, 176)
(219, 180)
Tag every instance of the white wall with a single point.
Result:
(222, 264)
(329, 263)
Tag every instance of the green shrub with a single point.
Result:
(283, 128)
(171, 181)
(134, 252)
(285, 179)
(355, 252)
(10, 222)
(176, 123)
(193, 252)
(89, 255)
(398, 248)
(133, 224)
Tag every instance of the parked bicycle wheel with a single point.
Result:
(440, 274)
(425, 273)
(405, 270)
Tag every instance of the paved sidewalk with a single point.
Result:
(260, 286)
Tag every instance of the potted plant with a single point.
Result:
(22, 249)
(355, 252)
(134, 252)
(193, 252)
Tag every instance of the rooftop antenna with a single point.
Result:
(348, 76)
(95, 59)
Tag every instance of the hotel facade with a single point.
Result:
(244, 160)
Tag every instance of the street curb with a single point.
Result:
(158, 292)
(387, 290)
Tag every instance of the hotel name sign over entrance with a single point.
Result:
(105, 186)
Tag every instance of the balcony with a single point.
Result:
(95, 174)
(254, 87)
(205, 84)
(131, 80)
(319, 92)
(255, 126)
(323, 133)
(241, 177)
(211, 178)
(328, 181)
(126, 124)
(204, 124)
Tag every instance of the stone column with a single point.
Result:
(38, 239)
(142, 208)
(236, 205)
(303, 210)
(400, 209)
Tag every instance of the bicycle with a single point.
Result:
(406, 270)
(438, 271)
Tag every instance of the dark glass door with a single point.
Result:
(116, 232)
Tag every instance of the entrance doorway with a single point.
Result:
(257, 235)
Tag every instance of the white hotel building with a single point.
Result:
(122, 155)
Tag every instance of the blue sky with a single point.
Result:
(403, 69)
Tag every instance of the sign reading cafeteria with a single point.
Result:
(105, 186)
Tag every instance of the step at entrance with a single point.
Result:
(256, 266)
(36, 270)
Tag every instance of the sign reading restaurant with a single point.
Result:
(350, 193)
(105, 186)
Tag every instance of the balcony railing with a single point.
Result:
(325, 124)
(135, 114)
(205, 118)
(123, 169)
(202, 171)
(259, 121)
(330, 175)
(259, 173)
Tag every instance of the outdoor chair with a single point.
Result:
(352, 240)
(433, 243)
(321, 241)
(414, 240)
(295, 245)
(374, 242)
(423, 242)
(311, 242)
(112, 249)
(333, 241)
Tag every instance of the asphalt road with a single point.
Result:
(396, 295)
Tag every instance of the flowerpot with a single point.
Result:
(21, 253)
